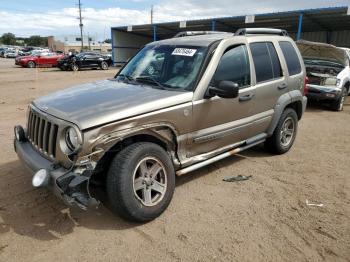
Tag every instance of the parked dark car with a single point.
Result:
(84, 60)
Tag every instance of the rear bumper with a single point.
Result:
(71, 188)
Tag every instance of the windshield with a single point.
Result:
(165, 66)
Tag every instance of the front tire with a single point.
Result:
(75, 67)
(285, 132)
(104, 66)
(141, 182)
(31, 64)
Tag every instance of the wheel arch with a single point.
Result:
(289, 100)
(163, 136)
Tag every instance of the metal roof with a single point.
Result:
(320, 19)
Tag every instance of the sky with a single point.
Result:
(58, 18)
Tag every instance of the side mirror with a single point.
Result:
(224, 89)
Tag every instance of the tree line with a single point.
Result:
(34, 40)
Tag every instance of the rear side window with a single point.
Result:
(266, 62)
(291, 58)
(234, 66)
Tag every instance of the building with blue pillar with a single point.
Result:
(328, 25)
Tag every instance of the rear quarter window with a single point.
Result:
(291, 57)
(266, 61)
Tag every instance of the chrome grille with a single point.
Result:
(42, 133)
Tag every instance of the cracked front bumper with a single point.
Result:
(71, 188)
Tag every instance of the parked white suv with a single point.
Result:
(327, 69)
(343, 78)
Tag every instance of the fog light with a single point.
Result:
(41, 178)
(19, 133)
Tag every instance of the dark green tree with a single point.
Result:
(36, 40)
(8, 39)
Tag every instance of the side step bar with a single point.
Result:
(219, 157)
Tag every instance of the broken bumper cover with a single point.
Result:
(71, 188)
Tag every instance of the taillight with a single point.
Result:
(306, 89)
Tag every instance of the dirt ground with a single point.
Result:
(263, 219)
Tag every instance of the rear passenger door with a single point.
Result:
(271, 81)
(295, 73)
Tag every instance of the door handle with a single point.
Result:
(246, 97)
(282, 86)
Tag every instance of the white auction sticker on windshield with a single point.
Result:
(184, 51)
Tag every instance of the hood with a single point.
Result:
(314, 50)
(106, 101)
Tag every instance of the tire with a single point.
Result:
(104, 66)
(127, 189)
(31, 64)
(75, 67)
(338, 105)
(280, 142)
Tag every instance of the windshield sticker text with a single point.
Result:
(184, 51)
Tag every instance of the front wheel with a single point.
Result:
(75, 67)
(285, 132)
(104, 66)
(141, 182)
(31, 64)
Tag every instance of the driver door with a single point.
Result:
(220, 122)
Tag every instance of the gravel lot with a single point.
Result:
(262, 219)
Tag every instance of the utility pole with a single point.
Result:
(152, 14)
(81, 26)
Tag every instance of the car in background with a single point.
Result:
(39, 59)
(84, 60)
(10, 53)
(3, 50)
(328, 73)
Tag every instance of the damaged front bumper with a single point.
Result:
(70, 187)
(320, 93)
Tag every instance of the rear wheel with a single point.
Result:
(284, 135)
(31, 64)
(338, 105)
(104, 66)
(141, 182)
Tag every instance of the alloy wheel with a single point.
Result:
(287, 131)
(149, 181)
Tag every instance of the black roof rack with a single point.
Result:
(192, 33)
(261, 31)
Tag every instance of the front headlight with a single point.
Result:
(338, 82)
(71, 140)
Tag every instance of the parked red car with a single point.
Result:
(46, 59)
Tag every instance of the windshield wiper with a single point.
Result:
(130, 78)
(148, 79)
